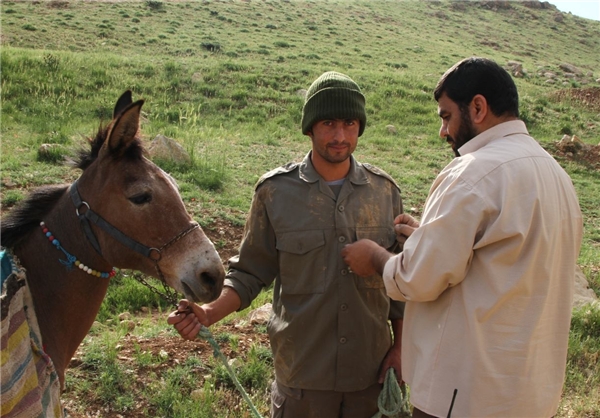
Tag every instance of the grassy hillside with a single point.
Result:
(224, 79)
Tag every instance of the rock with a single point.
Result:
(515, 68)
(50, 151)
(391, 129)
(570, 68)
(234, 363)
(165, 148)
(130, 325)
(571, 144)
(582, 294)
(124, 316)
(576, 139)
(197, 394)
(261, 315)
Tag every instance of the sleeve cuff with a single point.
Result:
(391, 287)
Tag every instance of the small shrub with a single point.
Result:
(51, 62)
(29, 27)
(154, 4)
(11, 197)
(281, 44)
(211, 46)
(566, 130)
(53, 153)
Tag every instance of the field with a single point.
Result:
(225, 80)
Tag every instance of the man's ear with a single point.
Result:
(479, 109)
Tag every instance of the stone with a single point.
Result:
(168, 149)
(391, 129)
(582, 293)
(261, 315)
(124, 316)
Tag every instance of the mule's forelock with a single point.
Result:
(85, 157)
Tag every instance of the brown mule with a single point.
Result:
(123, 211)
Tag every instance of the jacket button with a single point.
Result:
(342, 239)
(343, 340)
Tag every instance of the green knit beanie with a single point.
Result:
(333, 96)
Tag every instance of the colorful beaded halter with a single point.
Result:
(71, 259)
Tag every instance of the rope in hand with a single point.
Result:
(392, 401)
(207, 335)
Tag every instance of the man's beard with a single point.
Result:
(466, 132)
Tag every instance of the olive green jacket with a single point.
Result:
(329, 329)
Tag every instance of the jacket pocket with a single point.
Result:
(302, 267)
(385, 237)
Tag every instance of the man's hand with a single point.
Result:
(365, 257)
(404, 225)
(188, 319)
(392, 359)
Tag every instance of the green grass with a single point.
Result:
(223, 79)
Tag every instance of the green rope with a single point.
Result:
(207, 335)
(392, 401)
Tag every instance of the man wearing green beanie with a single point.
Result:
(329, 329)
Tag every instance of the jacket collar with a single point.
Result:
(356, 175)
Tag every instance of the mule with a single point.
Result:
(123, 211)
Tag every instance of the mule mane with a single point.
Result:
(28, 214)
(85, 157)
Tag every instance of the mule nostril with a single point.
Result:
(207, 279)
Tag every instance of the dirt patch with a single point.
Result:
(172, 349)
(587, 97)
(588, 155)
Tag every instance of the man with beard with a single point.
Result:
(330, 329)
(488, 274)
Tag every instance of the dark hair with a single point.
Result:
(475, 75)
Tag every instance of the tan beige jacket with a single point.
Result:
(489, 279)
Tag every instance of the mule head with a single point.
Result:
(142, 202)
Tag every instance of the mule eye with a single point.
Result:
(140, 199)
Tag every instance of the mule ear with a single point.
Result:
(124, 129)
(122, 103)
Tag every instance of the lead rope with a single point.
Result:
(392, 401)
(207, 335)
